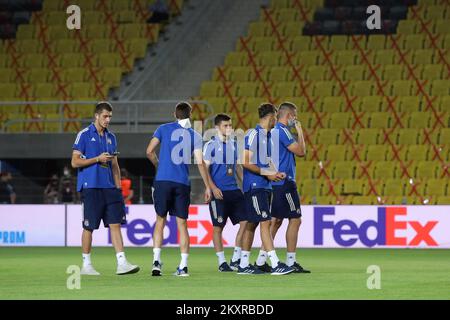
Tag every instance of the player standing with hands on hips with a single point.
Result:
(95, 156)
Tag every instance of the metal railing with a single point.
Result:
(128, 116)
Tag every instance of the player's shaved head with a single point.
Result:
(286, 108)
(183, 110)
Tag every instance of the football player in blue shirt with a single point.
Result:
(99, 184)
(172, 186)
(259, 173)
(221, 156)
(285, 198)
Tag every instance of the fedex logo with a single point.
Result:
(200, 231)
(346, 232)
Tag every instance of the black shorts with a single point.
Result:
(258, 204)
(173, 198)
(285, 201)
(232, 206)
(102, 204)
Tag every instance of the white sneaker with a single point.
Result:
(88, 270)
(127, 268)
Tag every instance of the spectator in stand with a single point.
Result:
(67, 187)
(7, 193)
(51, 192)
(127, 188)
(159, 11)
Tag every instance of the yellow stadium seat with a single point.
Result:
(409, 104)
(7, 90)
(444, 136)
(58, 33)
(417, 153)
(377, 152)
(285, 89)
(247, 89)
(129, 30)
(310, 187)
(407, 27)
(327, 136)
(441, 27)
(440, 88)
(426, 170)
(224, 72)
(415, 42)
(305, 170)
(93, 17)
(332, 104)
(80, 89)
(126, 16)
(42, 90)
(292, 28)
(26, 31)
(362, 88)
(95, 31)
(138, 46)
(367, 136)
(111, 76)
(343, 170)
(385, 57)
(435, 12)
(393, 72)
(101, 45)
(380, 120)
(446, 42)
(6, 75)
(236, 59)
(38, 75)
(408, 136)
(385, 170)
(65, 46)
(354, 73)
(353, 187)
(108, 60)
(376, 42)
(300, 43)
(34, 60)
(346, 57)
(29, 46)
(52, 5)
(323, 88)
(436, 187)
(423, 56)
(211, 89)
(285, 14)
(394, 187)
(46, 109)
(370, 103)
(308, 58)
(261, 44)
(71, 60)
(325, 200)
(120, 5)
(402, 87)
(54, 18)
(443, 200)
(338, 42)
(259, 29)
(279, 74)
(364, 200)
(419, 120)
(75, 75)
(432, 72)
(340, 120)
(270, 58)
(336, 152)
(317, 73)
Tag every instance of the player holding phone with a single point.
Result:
(95, 156)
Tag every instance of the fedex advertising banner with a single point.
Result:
(32, 225)
(322, 227)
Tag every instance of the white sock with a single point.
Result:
(290, 259)
(273, 258)
(221, 257)
(245, 258)
(236, 254)
(184, 260)
(121, 257)
(262, 258)
(86, 259)
(157, 254)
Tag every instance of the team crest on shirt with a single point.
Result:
(86, 223)
(298, 211)
(219, 219)
(109, 141)
(264, 214)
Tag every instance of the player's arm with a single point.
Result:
(116, 172)
(151, 151)
(79, 162)
(239, 172)
(130, 196)
(198, 155)
(273, 176)
(216, 191)
(298, 148)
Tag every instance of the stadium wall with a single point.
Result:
(322, 227)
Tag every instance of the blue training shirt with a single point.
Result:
(223, 156)
(285, 162)
(259, 142)
(91, 144)
(177, 147)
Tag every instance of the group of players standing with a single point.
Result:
(269, 194)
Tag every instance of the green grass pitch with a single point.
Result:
(40, 273)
